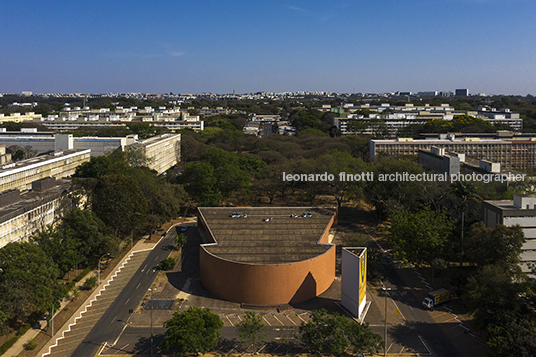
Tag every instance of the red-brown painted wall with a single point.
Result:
(270, 284)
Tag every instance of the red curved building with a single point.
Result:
(267, 256)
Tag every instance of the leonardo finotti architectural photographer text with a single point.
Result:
(403, 176)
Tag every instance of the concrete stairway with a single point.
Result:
(83, 325)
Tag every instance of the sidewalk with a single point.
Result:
(18, 347)
(141, 245)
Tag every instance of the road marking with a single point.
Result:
(103, 347)
(430, 352)
(113, 320)
(127, 301)
(238, 317)
(401, 314)
(282, 324)
(391, 345)
(291, 320)
(227, 316)
(123, 347)
(269, 324)
(301, 317)
(138, 285)
(120, 334)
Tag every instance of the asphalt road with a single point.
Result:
(136, 340)
(114, 320)
(419, 322)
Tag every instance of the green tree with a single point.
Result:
(193, 331)
(362, 339)
(359, 146)
(250, 330)
(180, 240)
(96, 167)
(120, 203)
(420, 237)
(28, 280)
(201, 183)
(144, 130)
(333, 334)
(386, 194)
(89, 233)
(269, 181)
(167, 264)
(324, 333)
(337, 162)
(379, 128)
(499, 246)
(465, 192)
(357, 126)
(251, 164)
(502, 306)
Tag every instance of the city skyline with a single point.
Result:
(221, 47)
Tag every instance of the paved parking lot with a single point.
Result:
(408, 332)
(270, 319)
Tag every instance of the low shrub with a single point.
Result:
(82, 274)
(9, 343)
(90, 283)
(30, 345)
(167, 264)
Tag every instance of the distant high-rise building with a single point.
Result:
(26, 92)
(461, 92)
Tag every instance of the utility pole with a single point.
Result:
(152, 308)
(386, 290)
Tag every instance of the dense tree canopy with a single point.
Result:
(192, 331)
(500, 246)
(28, 280)
(333, 334)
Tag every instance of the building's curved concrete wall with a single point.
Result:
(267, 284)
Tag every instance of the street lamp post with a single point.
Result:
(385, 339)
(152, 307)
(98, 274)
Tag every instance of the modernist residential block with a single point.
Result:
(521, 210)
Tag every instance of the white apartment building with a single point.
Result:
(34, 211)
(20, 175)
(160, 152)
(521, 210)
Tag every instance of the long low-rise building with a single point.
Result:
(495, 150)
(169, 123)
(510, 152)
(22, 215)
(522, 211)
(160, 153)
(59, 164)
(44, 142)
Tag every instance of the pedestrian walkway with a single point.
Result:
(70, 338)
(66, 340)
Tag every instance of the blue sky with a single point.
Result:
(178, 46)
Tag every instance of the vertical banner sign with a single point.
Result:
(362, 276)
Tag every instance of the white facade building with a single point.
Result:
(521, 210)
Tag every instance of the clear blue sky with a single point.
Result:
(161, 46)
